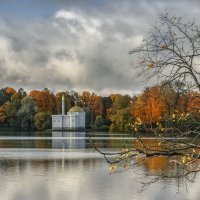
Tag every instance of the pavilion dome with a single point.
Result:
(76, 109)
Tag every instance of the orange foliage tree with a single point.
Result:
(94, 102)
(86, 98)
(43, 99)
(193, 105)
(3, 113)
(150, 107)
(115, 99)
(10, 90)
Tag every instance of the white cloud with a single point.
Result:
(74, 21)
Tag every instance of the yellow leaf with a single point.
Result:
(151, 65)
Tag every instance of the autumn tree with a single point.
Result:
(193, 104)
(150, 107)
(10, 90)
(8, 111)
(94, 102)
(3, 113)
(86, 98)
(97, 105)
(43, 99)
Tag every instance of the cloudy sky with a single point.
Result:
(78, 44)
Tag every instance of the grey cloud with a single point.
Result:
(63, 55)
(89, 51)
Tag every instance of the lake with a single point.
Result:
(64, 165)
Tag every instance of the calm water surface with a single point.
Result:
(59, 166)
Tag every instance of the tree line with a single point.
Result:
(155, 106)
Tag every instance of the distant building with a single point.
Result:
(74, 120)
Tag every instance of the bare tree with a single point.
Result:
(171, 51)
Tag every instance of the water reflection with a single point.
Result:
(63, 140)
(76, 140)
(64, 166)
(81, 179)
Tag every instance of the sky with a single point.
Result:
(79, 44)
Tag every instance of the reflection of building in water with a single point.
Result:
(74, 140)
(74, 120)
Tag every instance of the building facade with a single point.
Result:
(73, 121)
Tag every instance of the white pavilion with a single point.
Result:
(74, 120)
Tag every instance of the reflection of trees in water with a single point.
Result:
(110, 143)
(42, 144)
(19, 166)
(157, 164)
(160, 159)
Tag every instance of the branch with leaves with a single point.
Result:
(178, 151)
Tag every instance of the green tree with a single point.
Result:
(27, 112)
(122, 120)
(107, 103)
(74, 98)
(121, 101)
(4, 96)
(99, 121)
(12, 108)
(22, 93)
(88, 117)
(120, 115)
(42, 121)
